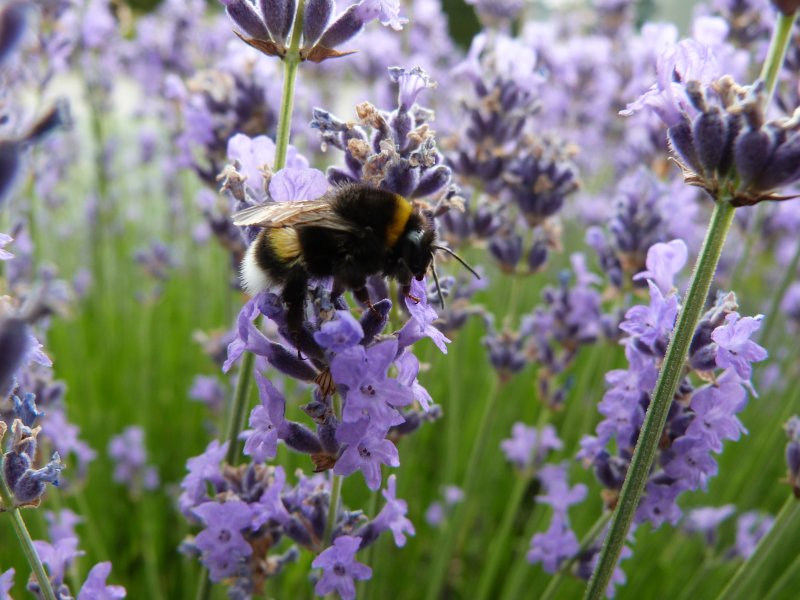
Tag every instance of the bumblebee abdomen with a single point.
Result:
(269, 259)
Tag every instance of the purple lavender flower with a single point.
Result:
(553, 547)
(64, 437)
(203, 469)
(130, 457)
(365, 450)
(422, 318)
(62, 524)
(267, 422)
(529, 446)
(6, 583)
(15, 342)
(664, 261)
(363, 373)
(5, 240)
(95, 588)
(715, 409)
(209, 391)
(750, 528)
(58, 557)
(391, 517)
(341, 333)
(340, 568)
(735, 348)
(223, 547)
(706, 521)
(269, 25)
(792, 453)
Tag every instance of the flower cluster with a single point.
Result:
(701, 418)
(718, 130)
(130, 457)
(268, 26)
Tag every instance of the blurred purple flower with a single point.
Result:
(95, 587)
(61, 524)
(393, 515)
(750, 528)
(553, 547)
(266, 421)
(6, 583)
(529, 446)
(4, 241)
(58, 557)
(706, 521)
(340, 333)
(203, 470)
(290, 184)
(340, 568)
(664, 261)
(130, 459)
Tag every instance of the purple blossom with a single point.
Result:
(64, 436)
(366, 450)
(253, 156)
(222, 544)
(203, 469)
(208, 390)
(420, 324)
(652, 324)
(393, 514)
(4, 241)
(735, 348)
(658, 506)
(553, 547)
(341, 333)
(6, 583)
(407, 369)
(528, 445)
(58, 557)
(664, 261)
(715, 408)
(270, 505)
(363, 372)
(266, 421)
(290, 184)
(558, 494)
(340, 568)
(62, 524)
(706, 521)
(95, 587)
(690, 461)
(750, 528)
(130, 459)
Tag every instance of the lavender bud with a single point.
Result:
(289, 364)
(751, 154)
(433, 180)
(401, 178)
(486, 222)
(327, 436)
(710, 134)
(784, 167)
(278, 16)
(12, 27)
(245, 16)
(680, 138)
(300, 438)
(733, 128)
(346, 27)
(374, 320)
(315, 20)
(295, 530)
(14, 346)
(30, 486)
(507, 250)
(401, 124)
(15, 464)
(793, 458)
(9, 163)
(537, 255)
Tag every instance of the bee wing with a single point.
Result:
(292, 214)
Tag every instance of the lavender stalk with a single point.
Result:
(25, 540)
(671, 369)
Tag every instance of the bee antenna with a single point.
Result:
(459, 259)
(436, 280)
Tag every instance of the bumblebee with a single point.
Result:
(352, 232)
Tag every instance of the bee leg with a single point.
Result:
(362, 295)
(406, 291)
(294, 295)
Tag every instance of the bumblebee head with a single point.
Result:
(417, 253)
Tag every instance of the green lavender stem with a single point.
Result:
(333, 510)
(25, 540)
(776, 53)
(668, 379)
(781, 535)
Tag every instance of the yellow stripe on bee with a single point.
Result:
(402, 211)
(285, 243)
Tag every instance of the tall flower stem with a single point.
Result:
(333, 509)
(25, 540)
(780, 536)
(776, 53)
(667, 384)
